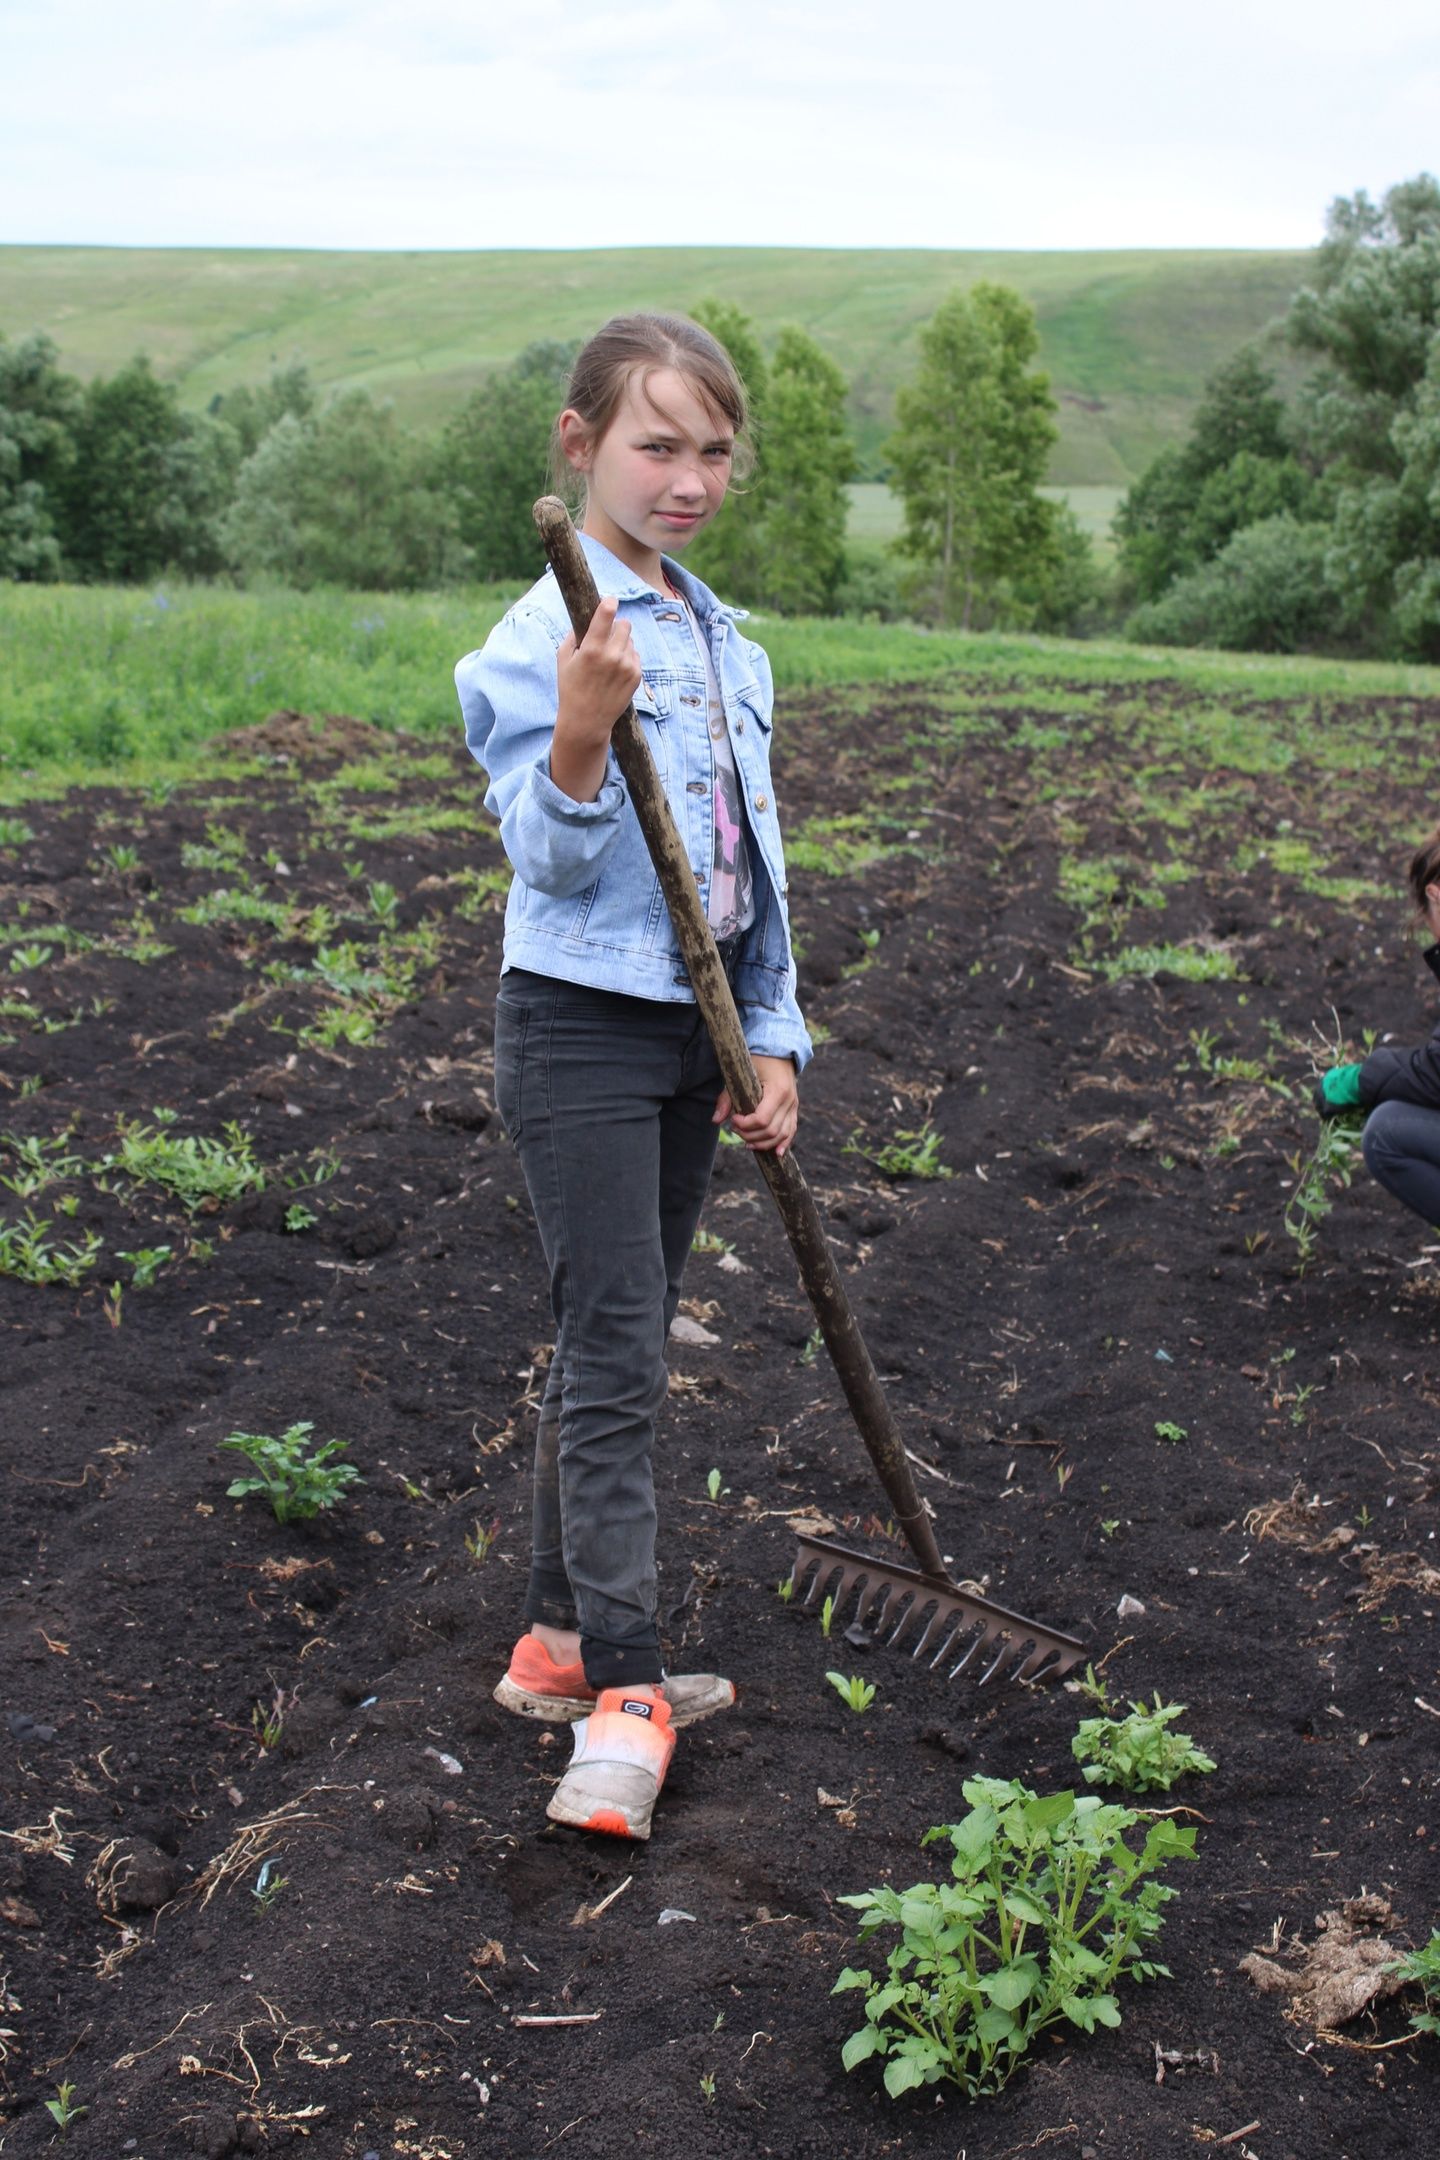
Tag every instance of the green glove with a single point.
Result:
(1339, 1090)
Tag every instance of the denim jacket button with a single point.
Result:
(762, 802)
(696, 787)
(740, 725)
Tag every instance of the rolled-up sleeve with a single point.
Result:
(507, 696)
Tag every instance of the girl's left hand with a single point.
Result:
(772, 1123)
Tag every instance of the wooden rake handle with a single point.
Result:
(823, 1286)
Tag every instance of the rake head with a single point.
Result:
(953, 1629)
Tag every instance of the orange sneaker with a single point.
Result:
(535, 1686)
(622, 1752)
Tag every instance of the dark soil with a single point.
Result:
(1094, 1267)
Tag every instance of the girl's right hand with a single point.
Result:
(596, 680)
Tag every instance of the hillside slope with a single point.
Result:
(1128, 337)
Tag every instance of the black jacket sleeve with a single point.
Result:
(1413, 1076)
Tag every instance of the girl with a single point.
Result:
(1401, 1088)
(604, 1071)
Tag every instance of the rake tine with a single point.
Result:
(955, 1630)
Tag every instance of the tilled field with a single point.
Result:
(1114, 1379)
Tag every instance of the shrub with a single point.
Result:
(1266, 591)
(1047, 1908)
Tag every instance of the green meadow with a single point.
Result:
(129, 684)
(1128, 336)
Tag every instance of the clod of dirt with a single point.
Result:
(371, 1236)
(309, 738)
(132, 1875)
(1341, 1973)
(216, 2134)
(409, 1817)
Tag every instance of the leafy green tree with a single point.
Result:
(809, 462)
(973, 434)
(1235, 467)
(143, 488)
(38, 408)
(1371, 412)
(494, 460)
(1266, 591)
(345, 499)
(250, 410)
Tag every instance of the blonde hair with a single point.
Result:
(631, 346)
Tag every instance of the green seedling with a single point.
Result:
(228, 906)
(121, 858)
(196, 1171)
(296, 1479)
(269, 1724)
(1137, 1751)
(14, 832)
(146, 1264)
(113, 1303)
(268, 1888)
(1320, 1178)
(65, 2108)
(1363, 1517)
(707, 2086)
(827, 1617)
(785, 1589)
(858, 1693)
(39, 1164)
(384, 903)
(29, 1254)
(1166, 1429)
(479, 1541)
(1047, 1908)
(1423, 1968)
(1093, 1687)
(23, 957)
(1109, 1526)
(911, 1154)
(298, 1218)
(714, 1488)
(1188, 963)
(811, 1348)
(706, 1241)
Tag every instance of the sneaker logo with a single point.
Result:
(638, 1709)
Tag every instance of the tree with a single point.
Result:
(1371, 412)
(345, 499)
(144, 486)
(973, 434)
(38, 409)
(494, 460)
(809, 462)
(1235, 467)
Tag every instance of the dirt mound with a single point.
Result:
(310, 738)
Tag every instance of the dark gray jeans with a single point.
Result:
(1402, 1149)
(608, 1101)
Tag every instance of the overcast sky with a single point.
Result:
(554, 123)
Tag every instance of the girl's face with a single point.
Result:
(657, 475)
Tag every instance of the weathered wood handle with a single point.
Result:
(792, 1196)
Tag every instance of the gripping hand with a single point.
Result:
(1338, 1091)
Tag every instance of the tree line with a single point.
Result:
(1311, 522)
(112, 481)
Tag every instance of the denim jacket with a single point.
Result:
(585, 904)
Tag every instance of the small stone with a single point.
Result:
(1130, 1608)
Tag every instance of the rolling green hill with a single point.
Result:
(1128, 337)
